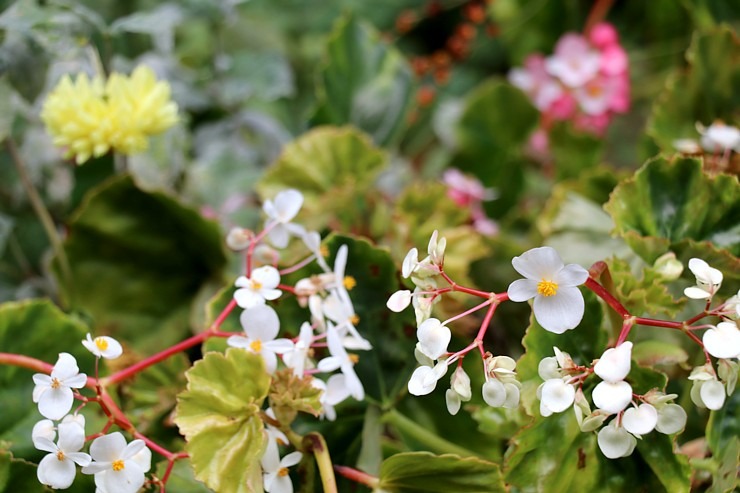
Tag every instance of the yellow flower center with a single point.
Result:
(283, 471)
(256, 345)
(256, 285)
(349, 282)
(60, 455)
(324, 251)
(101, 343)
(354, 319)
(55, 383)
(353, 358)
(547, 288)
(118, 465)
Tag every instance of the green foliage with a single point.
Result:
(181, 478)
(704, 93)
(290, 395)
(219, 415)
(17, 475)
(38, 329)
(417, 472)
(573, 152)
(643, 294)
(363, 82)
(138, 260)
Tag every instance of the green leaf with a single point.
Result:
(707, 91)
(670, 467)
(725, 479)
(490, 140)
(670, 204)
(181, 479)
(17, 475)
(724, 424)
(573, 152)
(652, 352)
(335, 168)
(364, 82)
(422, 472)
(646, 293)
(138, 260)
(38, 329)
(219, 415)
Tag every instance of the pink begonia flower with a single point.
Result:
(575, 62)
(534, 80)
(595, 96)
(614, 60)
(603, 35)
(465, 190)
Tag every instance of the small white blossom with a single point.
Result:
(259, 287)
(433, 338)
(640, 420)
(53, 393)
(399, 301)
(118, 467)
(424, 379)
(103, 347)
(280, 212)
(615, 442)
(719, 137)
(334, 391)
(261, 326)
(276, 478)
(239, 239)
(708, 280)
(614, 364)
(723, 341)
(558, 303)
(459, 390)
(671, 419)
(339, 359)
(555, 396)
(57, 469)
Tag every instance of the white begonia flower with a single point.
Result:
(501, 371)
(57, 469)
(671, 419)
(687, 146)
(280, 212)
(103, 347)
(615, 442)
(723, 341)
(708, 393)
(555, 396)
(436, 249)
(261, 326)
(340, 311)
(53, 393)
(708, 280)
(334, 391)
(276, 478)
(614, 364)
(339, 359)
(459, 391)
(433, 338)
(297, 357)
(612, 396)
(118, 467)
(259, 287)
(719, 137)
(558, 303)
(44, 429)
(424, 379)
(399, 301)
(640, 420)
(239, 239)
(410, 263)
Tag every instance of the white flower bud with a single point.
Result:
(723, 341)
(671, 419)
(615, 442)
(612, 396)
(494, 393)
(399, 301)
(640, 420)
(239, 238)
(557, 395)
(668, 266)
(614, 364)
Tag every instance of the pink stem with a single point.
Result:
(357, 476)
(605, 295)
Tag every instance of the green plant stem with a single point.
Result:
(315, 443)
(40, 209)
(435, 443)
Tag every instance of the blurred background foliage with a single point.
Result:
(362, 106)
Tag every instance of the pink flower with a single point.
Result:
(465, 190)
(534, 80)
(574, 61)
(603, 35)
(613, 60)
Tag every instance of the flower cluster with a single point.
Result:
(118, 466)
(89, 117)
(584, 81)
(332, 321)
(717, 138)
(468, 192)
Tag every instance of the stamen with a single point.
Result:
(353, 358)
(256, 345)
(101, 343)
(547, 288)
(118, 465)
(55, 383)
(349, 282)
(354, 319)
(283, 471)
(60, 455)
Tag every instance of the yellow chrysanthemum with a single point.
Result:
(90, 117)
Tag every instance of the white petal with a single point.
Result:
(538, 263)
(640, 420)
(704, 273)
(522, 290)
(410, 263)
(71, 436)
(612, 396)
(55, 403)
(328, 364)
(59, 474)
(697, 293)
(291, 459)
(560, 312)
(558, 395)
(260, 322)
(420, 383)
(671, 419)
(433, 338)
(44, 429)
(336, 390)
(65, 367)
(287, 204)
(615, 442)
(108, 447)
(571, 275)
(270, 361)
(279, 346)
(279, 235)
(713, 394)
(548, 368)
(267, 275)
(247, 298)
(399, 301)
(512, 396)
(128, 480)
(494, 393)
(723, 341)
(452, 399)
(460, 383)
(614, 364)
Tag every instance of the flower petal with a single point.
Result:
(538, 263)
(494, 393)
(615, 442)
(671, 419)
(558, 395)
(612, 396)
(55, 403)
(260, 322)
(522, 290)
(560, 312)
(723, 341)
(571, 275)
(59, 474)
(614, 364)
(640, 420)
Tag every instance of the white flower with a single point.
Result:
(410, 263)
(615, 442)
(640, 420)
(612, 396)
(555, 396)
(276, 478)
(339, 359)
(723, 341)
(44, 429)
(103, 347)
(671, 419)
(53, 393)
(334, 391)
(614, 364)
(259, 287)
(433, 338)
(459, 390)
(57, 469)
(261, 325)
(239, 239)
(719, 137)
(708, 393)
(501, 388)
(424, 379)
(687, 146)
(340, 311)
(436, 249)
(399, 301)
(558, 303)
(708, 280)
(280, 212)
(118, 467)
(297, 357)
